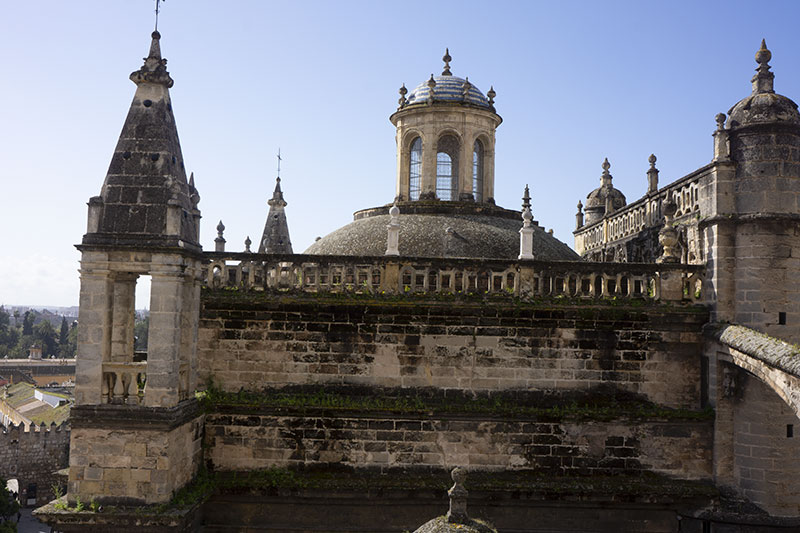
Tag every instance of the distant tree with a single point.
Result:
(63, 336)
(71, 348)
(141, 328)
(8, 509)
(27, 323)
(5, 318)
(45, 334)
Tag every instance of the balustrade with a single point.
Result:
(124, 383)
(524, 279)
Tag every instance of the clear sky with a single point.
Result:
(575, 81)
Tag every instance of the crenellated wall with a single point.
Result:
(33, 456)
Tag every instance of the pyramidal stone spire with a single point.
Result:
(275, 239)
(146, 199)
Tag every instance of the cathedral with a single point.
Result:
(646, 381)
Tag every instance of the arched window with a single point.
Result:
(447, 168)
(477, 171)
(415, 169)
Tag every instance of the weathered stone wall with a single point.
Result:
(34, 456)
(766, 468)
(134, 465)
(259, 341)
(679, 448)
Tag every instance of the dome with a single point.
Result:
(433, 229)
(764, 105)
(448, 88)
(456, 519)
(763, 108)
(597, 200)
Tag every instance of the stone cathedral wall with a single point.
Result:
(252, 341)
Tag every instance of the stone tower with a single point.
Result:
(275, 239)
(753, 231)
(445, 140)
(135, 435)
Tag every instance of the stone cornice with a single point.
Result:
(112, 416)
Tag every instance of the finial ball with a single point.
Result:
(652, 159)
(763, 55)
(606, 165)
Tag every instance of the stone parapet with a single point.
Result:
(526, 279)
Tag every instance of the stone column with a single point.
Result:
(428, 185)
(164, 340)
(123, 316)
(94, 327)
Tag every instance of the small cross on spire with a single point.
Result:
(158, 9)
(279, 163)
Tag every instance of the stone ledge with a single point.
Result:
(110, 416)
(119, 519)
(774, 352)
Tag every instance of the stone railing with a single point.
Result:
(399, 275)
(124, 383)
(646, 212)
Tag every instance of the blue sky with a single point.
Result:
(575, 81)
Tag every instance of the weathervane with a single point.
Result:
(158, 8)
(279, 163)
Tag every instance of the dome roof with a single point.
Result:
(441, 525)
(434, 229)
(764, 105)
(448, 88)
(596, 200)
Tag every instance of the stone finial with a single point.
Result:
(721, 145)
(491, 94)
(219, 242)
(526, 198)
(403, 100)
(579, 216)
(526, 231)
(465, 89)
(668, 236)
(763, 81)
(154, 69)
(194, 196)
(606, 177)
(447, 59)
(458, 498)
(652, 175)
(247, 243)
(720, 120)
(393, 232)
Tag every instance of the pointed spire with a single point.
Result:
(154, 69)
(526, 198)
(447, 59)
(146, 193)
(763, 81)
(275, 239)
